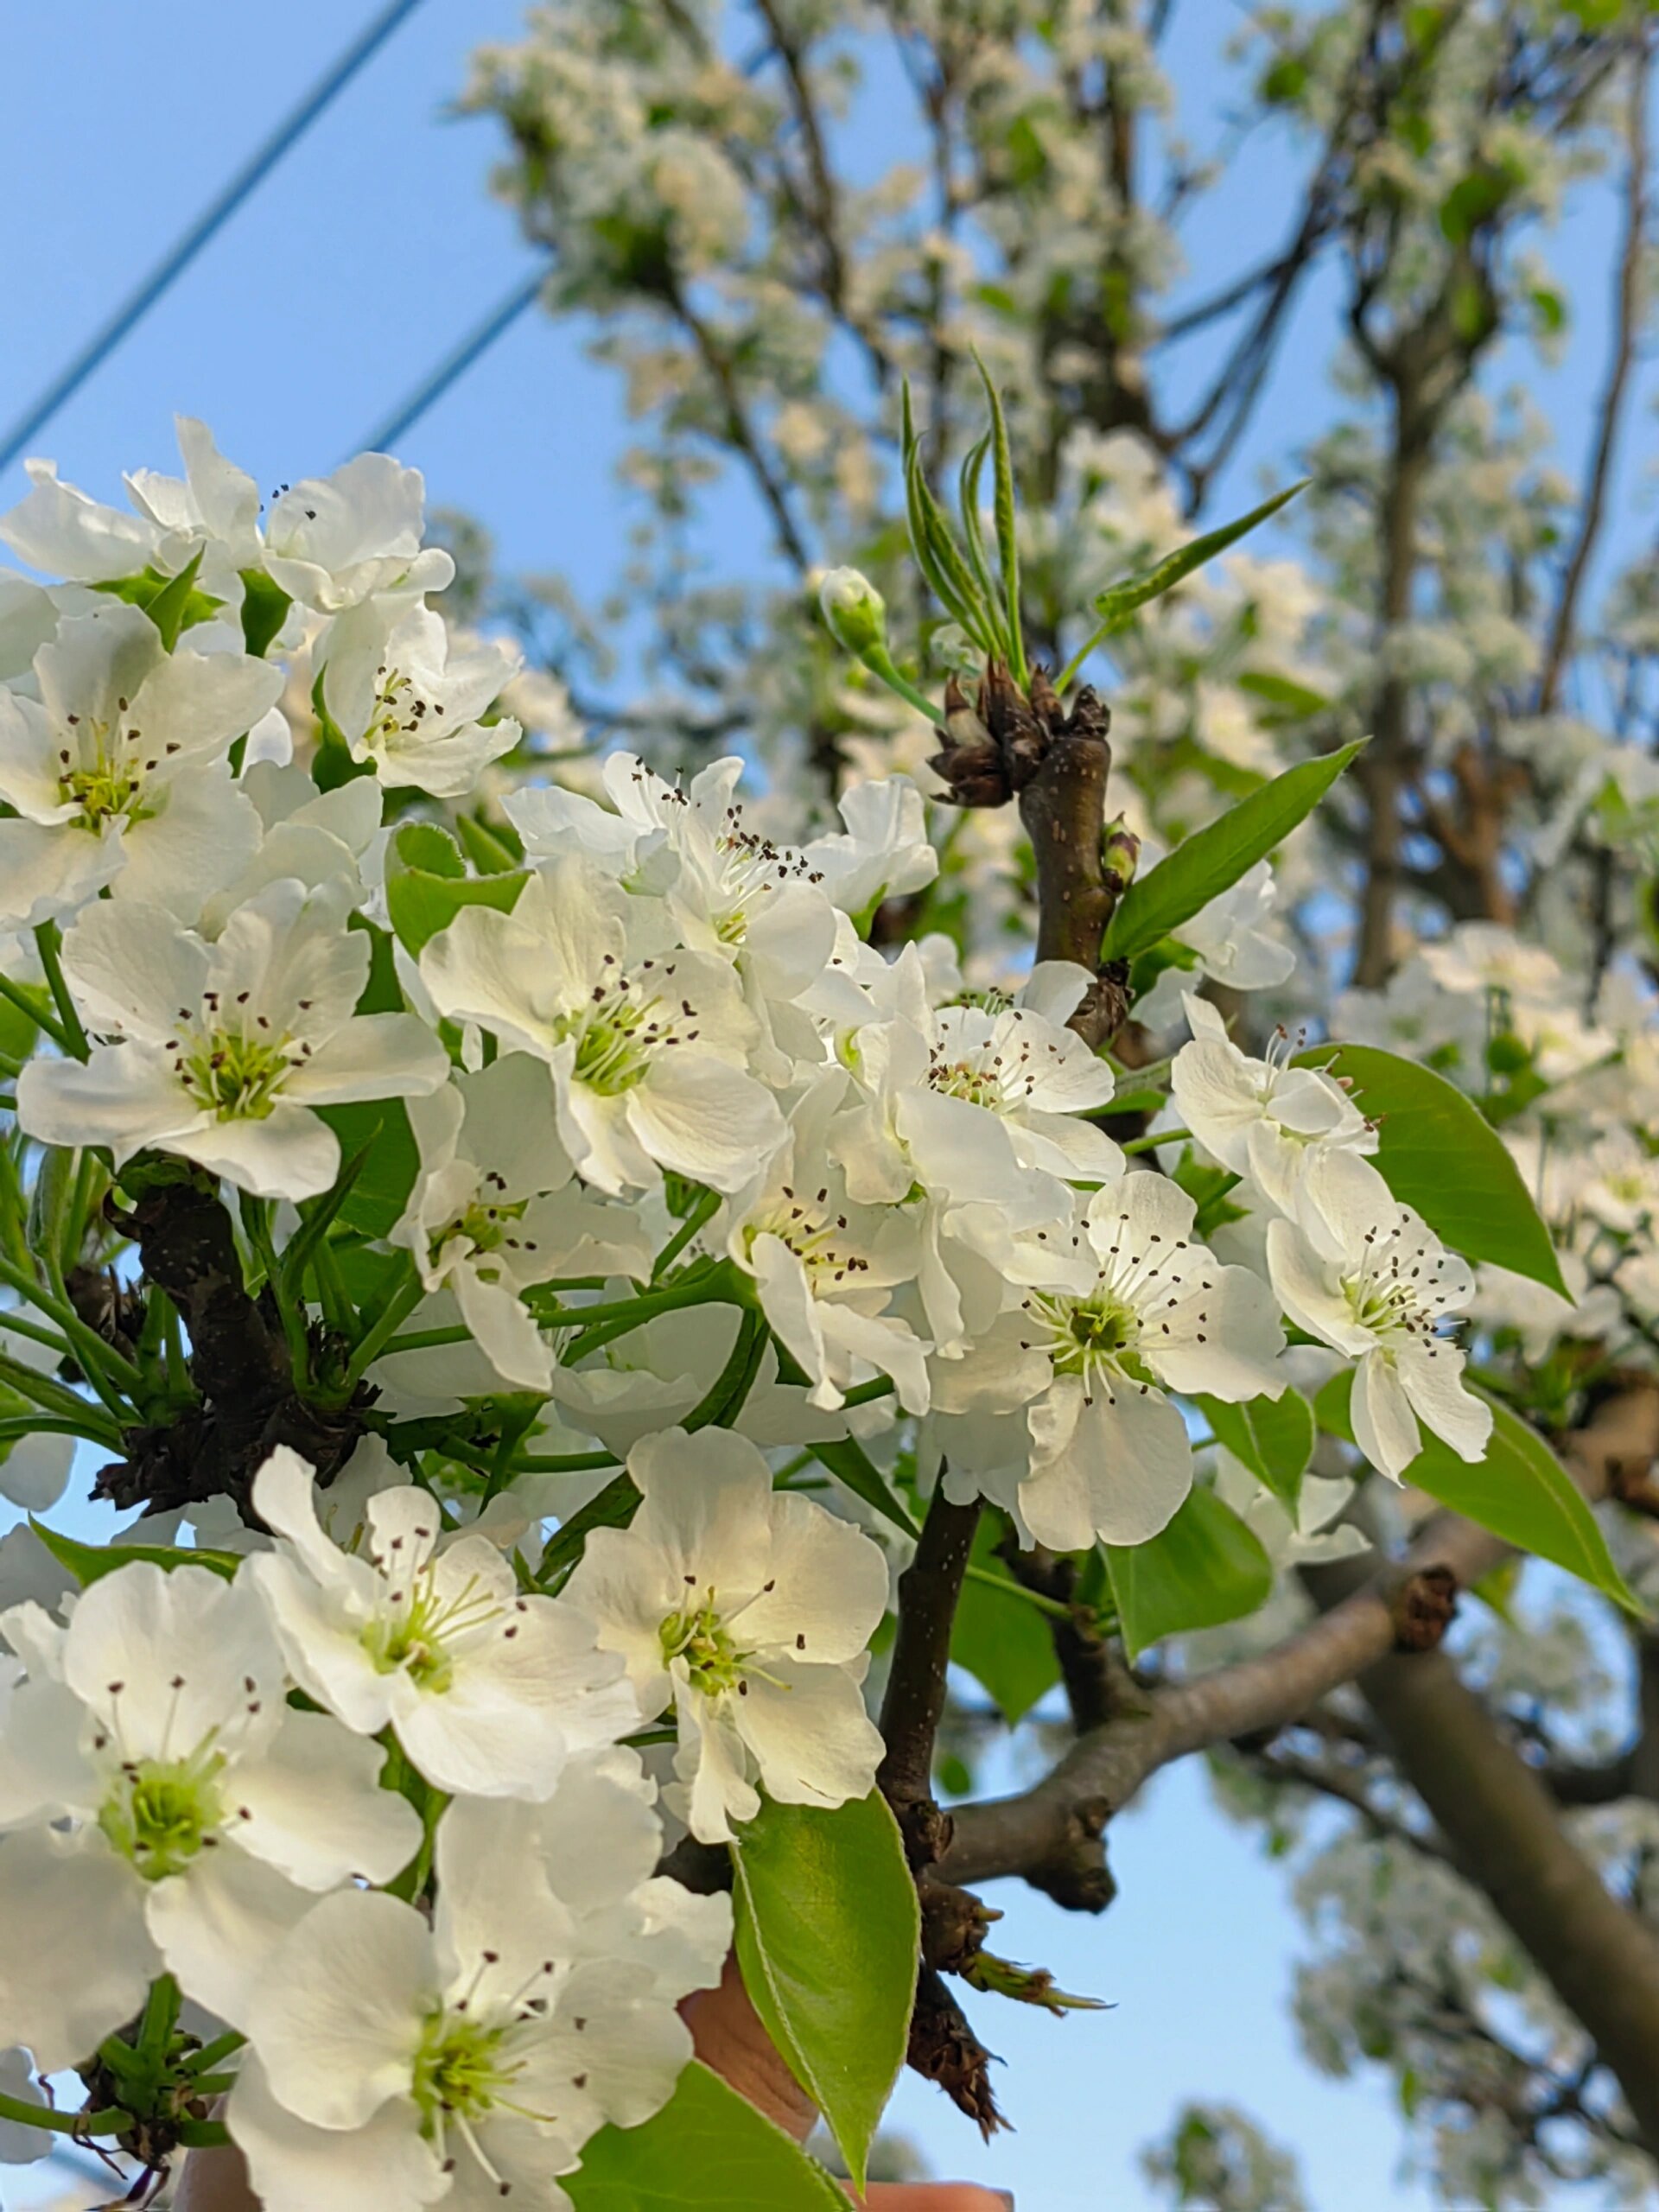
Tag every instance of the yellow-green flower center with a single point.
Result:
(712, 1658)
(160, 1812)
(237, 1078)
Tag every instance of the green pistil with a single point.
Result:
(485, 1227)
(238, 1077)
(458, 2072)
(160, 1814)
(103, 794)
(612, 1055)
(713, 1660)
(412, 1646)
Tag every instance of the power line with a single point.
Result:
(213, 219)
(455, 364)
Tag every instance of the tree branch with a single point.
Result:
(1627, 318)
(1051, 1834)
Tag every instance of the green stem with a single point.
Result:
(257, 1225)
(427, 1339)
(1150, 1142)
(702, 1211)
(49, 942)
(396, 1311)
(112, 2120)
(879, 661)
(55, 1398)
(26, 1006)
(35, 1331)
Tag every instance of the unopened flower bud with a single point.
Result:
(1120, 848)
(854, 613)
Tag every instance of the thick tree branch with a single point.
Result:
(1627, 319)
(929, 1589)
(239, 1363)
(1600, 1958)
(1051, 1834)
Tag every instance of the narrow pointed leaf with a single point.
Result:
(1008, 534)
(90, 1563)
(172, 604)
(1212, 860)
(1121, 602)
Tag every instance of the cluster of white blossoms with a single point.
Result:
(599, 1168)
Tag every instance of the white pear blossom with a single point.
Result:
(489, 1691)
(222, 1049)
(493, 1209)
(980, 1105)
(117, 770)
(1063, 1414)
(1313, 1536)
(824, 1267)
(749, 1610)
(407, 701)
(1365, 1275)
(403, 2065)
(211, 513)
(334, 542)
(653, 1376)
(162, 1806)
(648, 1053)
(1262, 1118)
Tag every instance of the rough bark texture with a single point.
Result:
(239, 1363)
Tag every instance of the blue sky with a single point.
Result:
(356, 266)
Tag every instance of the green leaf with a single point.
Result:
(264, 609)
(1212, 860)
(171, 606)
(1003, 1642)
(709, 2150)
(378, 1127)
(90, 1563)
(421, 904)
(849, 1463)
(424, 846)
(1008, 533)
(1205, 1567)
(492, 852)
(150, 588)
(1437, 1154)
(828, 1935)
(382, 993)
(1520, 1491)
(1291, 701)
(1273, 1437)
(1119, 604)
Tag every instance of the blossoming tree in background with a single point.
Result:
(587, 1293)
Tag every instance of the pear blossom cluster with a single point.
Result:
(660, 1240)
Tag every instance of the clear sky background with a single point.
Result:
(355, 267)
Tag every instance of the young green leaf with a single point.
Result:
(1120, 603)
(1205, 1568)
(379, 1128)
(708, 2150)
(264, 609)
(1274, 1438)
(849, 1463)
(1008, 534)
(1437, 1154)
(172, 604)
(1003, 1642)
(1520, 1491)
(828, 1933)
(1212, 860)
(90, 1563)
(422, 904)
